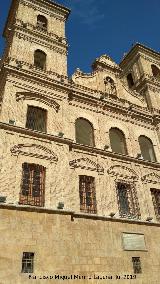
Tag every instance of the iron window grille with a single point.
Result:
(156, 202)
(27, 262)
(127, 201)
(32, 185)
(36, 118)
(136, 265)
(87, 194)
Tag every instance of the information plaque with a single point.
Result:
(133, 241)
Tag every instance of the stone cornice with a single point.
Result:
(72, 145)
(54, 45)
(48, 7)
(79, 93)
(138, 49)
(29, 31)
(113, 103)
(73, 215)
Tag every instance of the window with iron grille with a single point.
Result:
(156, 202)
(87, 194)
(27, 262)
(33, 185)
(36, 118)
(136, 265)
(127, 201)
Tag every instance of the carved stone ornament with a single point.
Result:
(87, 164)
(38, 97)
(34, 150)
(122, 172)
(151, 178)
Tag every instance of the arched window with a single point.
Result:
(84, 132)
(40, 59)
(109, 86)
(42, 22)
(147, 149)
(130, 80)
(118, 141)
(155, 71)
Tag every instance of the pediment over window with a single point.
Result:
(34, 150)
(122, 172)
(43, 98)
(151, 178)
(87, 164)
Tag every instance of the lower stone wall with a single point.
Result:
(67, 244)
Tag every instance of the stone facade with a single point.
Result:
(125, 97)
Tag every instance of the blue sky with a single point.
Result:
(97, 27)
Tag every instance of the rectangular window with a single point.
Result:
(27, 262)
(136, 265)
(127, 201)
(33, 185)
(87, 194)
(156, 202)
(36, 118)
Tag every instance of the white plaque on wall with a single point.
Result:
(133, 241)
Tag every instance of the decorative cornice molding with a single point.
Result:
(151, 178)
(60, 14)
(37, 40)
(33, 150)
(43, 34)
(87, 164)
(38, 97)
(122, 172)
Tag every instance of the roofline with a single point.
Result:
(137, 45)
(14, 2)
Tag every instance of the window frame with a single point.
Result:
(132, 200)
(90, 135)
(41, 27)
(137, 267)
(39, 66)
(149, 148)
(84, 185)
(156, 206)
(28, 261)
(122, 138)
(28, 194)
(28, 122)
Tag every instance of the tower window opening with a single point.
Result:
(130, 80)
(42, 22)
(40, 59)
(155, 71)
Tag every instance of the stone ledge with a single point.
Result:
(75, 215)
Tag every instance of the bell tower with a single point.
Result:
(35, 58)
(35, 35)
